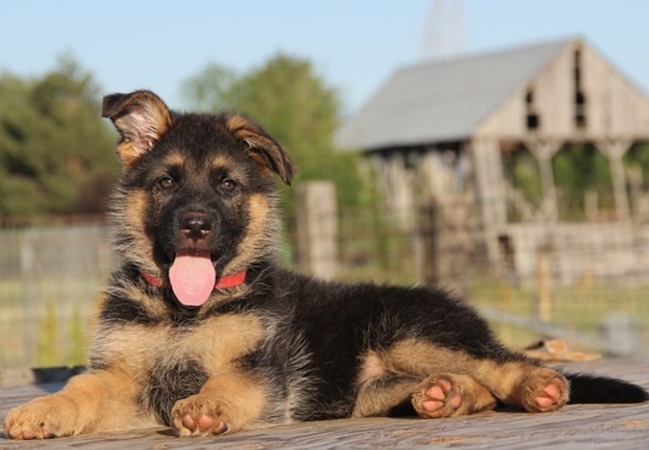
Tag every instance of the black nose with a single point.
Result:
(195, 225)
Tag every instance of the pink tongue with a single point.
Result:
(192, 278)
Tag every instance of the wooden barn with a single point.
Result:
(500, 128)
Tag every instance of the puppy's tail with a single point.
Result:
(595, 389)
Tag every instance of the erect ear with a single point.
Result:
(141, 118)
(262, 146)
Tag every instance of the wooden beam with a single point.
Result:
(614, 150)
(487, 164)
(543, 151)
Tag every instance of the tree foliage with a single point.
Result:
(295, 105)
(578, 170)
(55, 150)
(638, 157)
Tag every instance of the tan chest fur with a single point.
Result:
(216, 343)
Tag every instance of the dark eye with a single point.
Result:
(228, 185)
(166, 183)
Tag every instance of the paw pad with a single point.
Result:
(437, 397)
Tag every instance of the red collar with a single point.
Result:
(225, 282)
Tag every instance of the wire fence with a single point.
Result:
(587, 284)
(50, 276)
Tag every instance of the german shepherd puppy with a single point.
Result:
(201, 329)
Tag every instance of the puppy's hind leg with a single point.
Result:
(447, 395)
(510, 377)
(380, 396)
(443, 395)
(524, 383)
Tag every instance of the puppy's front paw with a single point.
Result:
(43, 418)
(200, 415)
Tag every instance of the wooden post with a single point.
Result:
(614, 150)
(543, 287)
(397, 188)
(543, 151)
(490, 193)
(490, 189)
(317, 229)
(446, 238)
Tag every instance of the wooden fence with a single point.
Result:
(51, 276)
(589, 288)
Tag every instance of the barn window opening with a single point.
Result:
(579, 96)
(531, 116)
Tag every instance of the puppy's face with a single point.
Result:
(196, 200)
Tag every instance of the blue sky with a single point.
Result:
(354, 44)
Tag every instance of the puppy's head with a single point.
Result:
(196, 200)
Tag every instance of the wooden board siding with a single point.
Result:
(615, 107)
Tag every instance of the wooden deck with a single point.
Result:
(574, 427)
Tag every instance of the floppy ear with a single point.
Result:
(262, 146)
(141, 118)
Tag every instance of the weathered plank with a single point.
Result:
(574, 427)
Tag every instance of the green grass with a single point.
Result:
(45, 321)
(581, 307)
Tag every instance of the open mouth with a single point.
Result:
(192, 277)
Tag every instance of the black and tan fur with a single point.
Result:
(281, 347)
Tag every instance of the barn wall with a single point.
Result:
(618, 108)
(615, 108)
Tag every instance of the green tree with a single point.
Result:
(638, 156)
(214, 88)
(579, 169)
(55, 150)
(295, 105)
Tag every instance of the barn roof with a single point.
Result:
(443, 100)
